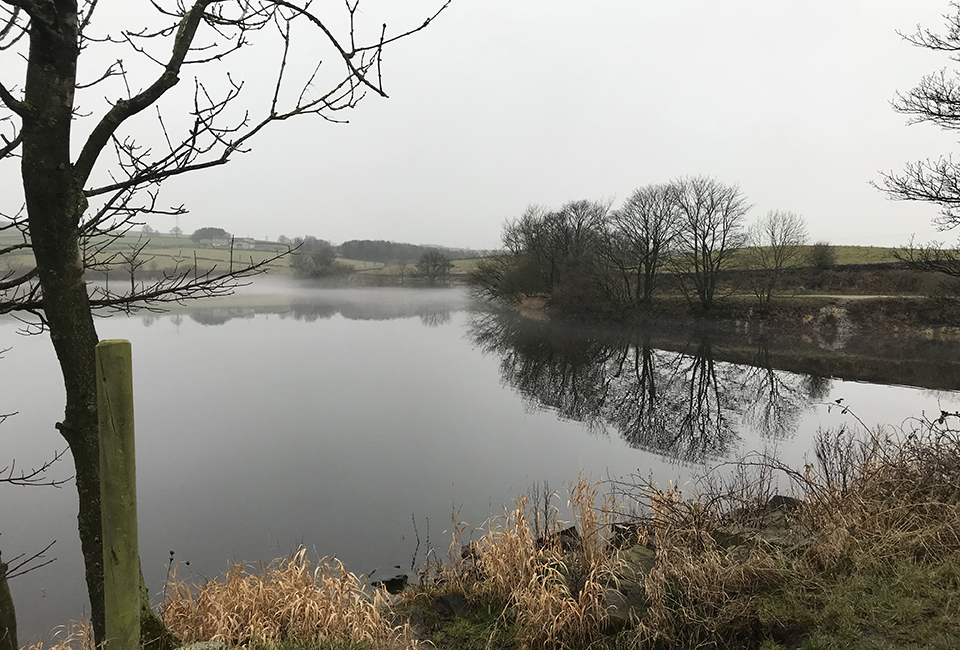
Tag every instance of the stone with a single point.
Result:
(205, 645)
(393, 585)
(568, 539)
(450, 605)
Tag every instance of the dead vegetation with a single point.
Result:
(76, 636)
(286, 601)
(551, 581)
(865, 554)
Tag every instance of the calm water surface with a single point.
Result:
(356, 422)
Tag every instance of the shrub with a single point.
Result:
(822, 256)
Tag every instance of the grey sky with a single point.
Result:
(505, 103)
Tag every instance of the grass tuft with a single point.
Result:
(285, 601)
(76, 636)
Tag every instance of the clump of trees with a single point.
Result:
(588, 256)
(208, 233)
(317, 258)
(433, 269)
(548, 252)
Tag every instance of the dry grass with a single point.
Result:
(280, 602)
(700, 592)
(886, 496)
(76, 636)
(552, 585)
(731, 572)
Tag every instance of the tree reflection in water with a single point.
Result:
(681, 403)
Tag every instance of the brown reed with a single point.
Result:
(282, 601)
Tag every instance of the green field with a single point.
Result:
(850, 255)
(165, 253)
(162, 253)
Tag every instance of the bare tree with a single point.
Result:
(433, 268)
(712, 230)
(643, 230)
(90, 171)
(776, 242)
(935, 101)
(550, 248)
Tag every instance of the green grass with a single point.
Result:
(863, 254)
(902, 605)
(847, 255)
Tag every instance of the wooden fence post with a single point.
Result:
(118, 495)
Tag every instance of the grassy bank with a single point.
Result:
(865, 554)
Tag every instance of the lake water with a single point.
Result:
(357, 422)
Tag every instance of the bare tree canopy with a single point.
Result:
(713, 215)
(644, 229)
(775, 242)
(935, 100)
(433, 268)
(94, 106)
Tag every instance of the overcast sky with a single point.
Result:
(505, 103)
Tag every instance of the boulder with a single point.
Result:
(393, 585)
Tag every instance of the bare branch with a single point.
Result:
(181, 286)
(21, 568)
(111, 71)
(33, 477)
(931, 181)
(124, 109)
(12, 26)
(154, 177)
(6, 285)
(12, 102)
(87, 15)
(10, 145)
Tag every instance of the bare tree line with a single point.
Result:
(588, 253)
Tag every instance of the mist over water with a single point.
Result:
(359, 421)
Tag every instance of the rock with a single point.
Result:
(393, 585)
(780, 502)
(625, 535)
(727, 538)
(627, 602)
(638, 561)
(450, 605)
(418, 624)
(205, 645)
(568, 539)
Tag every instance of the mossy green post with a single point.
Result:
(118, 490)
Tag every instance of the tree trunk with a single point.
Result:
(55, 204)
(8, 617)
